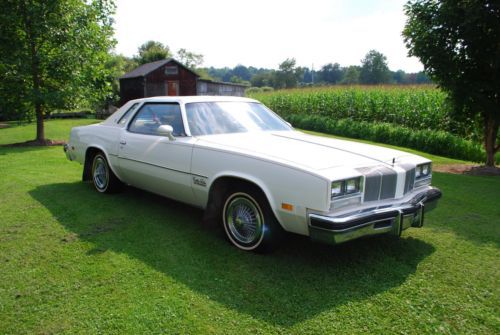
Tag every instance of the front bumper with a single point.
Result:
(386, 219)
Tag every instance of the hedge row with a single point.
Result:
(434, 142)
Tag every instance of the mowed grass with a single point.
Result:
(73, 261)
(54, 129)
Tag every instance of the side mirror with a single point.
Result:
(166, 130)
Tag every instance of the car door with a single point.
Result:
(153, 162)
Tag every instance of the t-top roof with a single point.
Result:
(147, 68)
(194, 98)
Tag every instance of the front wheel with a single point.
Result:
(103, 178)
(248, 220)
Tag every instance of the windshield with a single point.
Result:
(208, 118)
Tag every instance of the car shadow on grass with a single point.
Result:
(298, 281)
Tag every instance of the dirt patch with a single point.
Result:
(35, 143)
(469, 169)
(3, 125)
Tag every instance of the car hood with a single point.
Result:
(303, 150)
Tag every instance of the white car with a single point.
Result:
(252, 172)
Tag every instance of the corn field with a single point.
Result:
(421, 107)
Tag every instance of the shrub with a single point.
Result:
(253, 90)
(431, 141)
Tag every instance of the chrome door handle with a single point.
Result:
(123, 142)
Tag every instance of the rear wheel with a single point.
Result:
(248, 220)
(103, 178)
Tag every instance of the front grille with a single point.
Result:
(381, 181)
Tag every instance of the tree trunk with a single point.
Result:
(40, 129)
(35, 73)
(490, 135)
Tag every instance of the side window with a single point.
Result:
(127, 114)
(153, 115)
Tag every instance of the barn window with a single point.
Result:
(171, 70)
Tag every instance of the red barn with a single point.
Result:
(169, 77)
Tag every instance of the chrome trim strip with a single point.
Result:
(161, 167)
(346, 196)
(354, 227)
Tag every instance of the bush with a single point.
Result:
(253, 90)
(431, 141)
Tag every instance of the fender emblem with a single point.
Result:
(201, 181)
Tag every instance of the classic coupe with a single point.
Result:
(252, 172)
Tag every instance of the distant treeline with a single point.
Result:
(373, 70)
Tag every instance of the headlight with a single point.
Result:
(346, 187)
(422, 175)
(337, 188)
(423, 171)
(426, 169)
(352, 186)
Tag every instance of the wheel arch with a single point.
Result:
(90, 152)
(224, 181)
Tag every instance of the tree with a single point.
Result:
(152, 51)
(458, 42)
(331, 73)
(242, 72)
(238, 80)
(263, 79)
(52, 55)
(422, 78)
(351, 75)
(204, 74)
(117, 66)
(308, 76)
(286, 76)
(374, 69)
(189, 59)
(399, 77)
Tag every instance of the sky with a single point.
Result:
(263, 33)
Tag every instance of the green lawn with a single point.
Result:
(54, 130)
(73, 261)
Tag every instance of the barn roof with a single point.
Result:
(144, 69)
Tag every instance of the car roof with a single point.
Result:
(195, 98)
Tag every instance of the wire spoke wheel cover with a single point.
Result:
(100, 173)
(243, 221)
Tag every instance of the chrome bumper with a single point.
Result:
(387, 219)
(67, 152)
